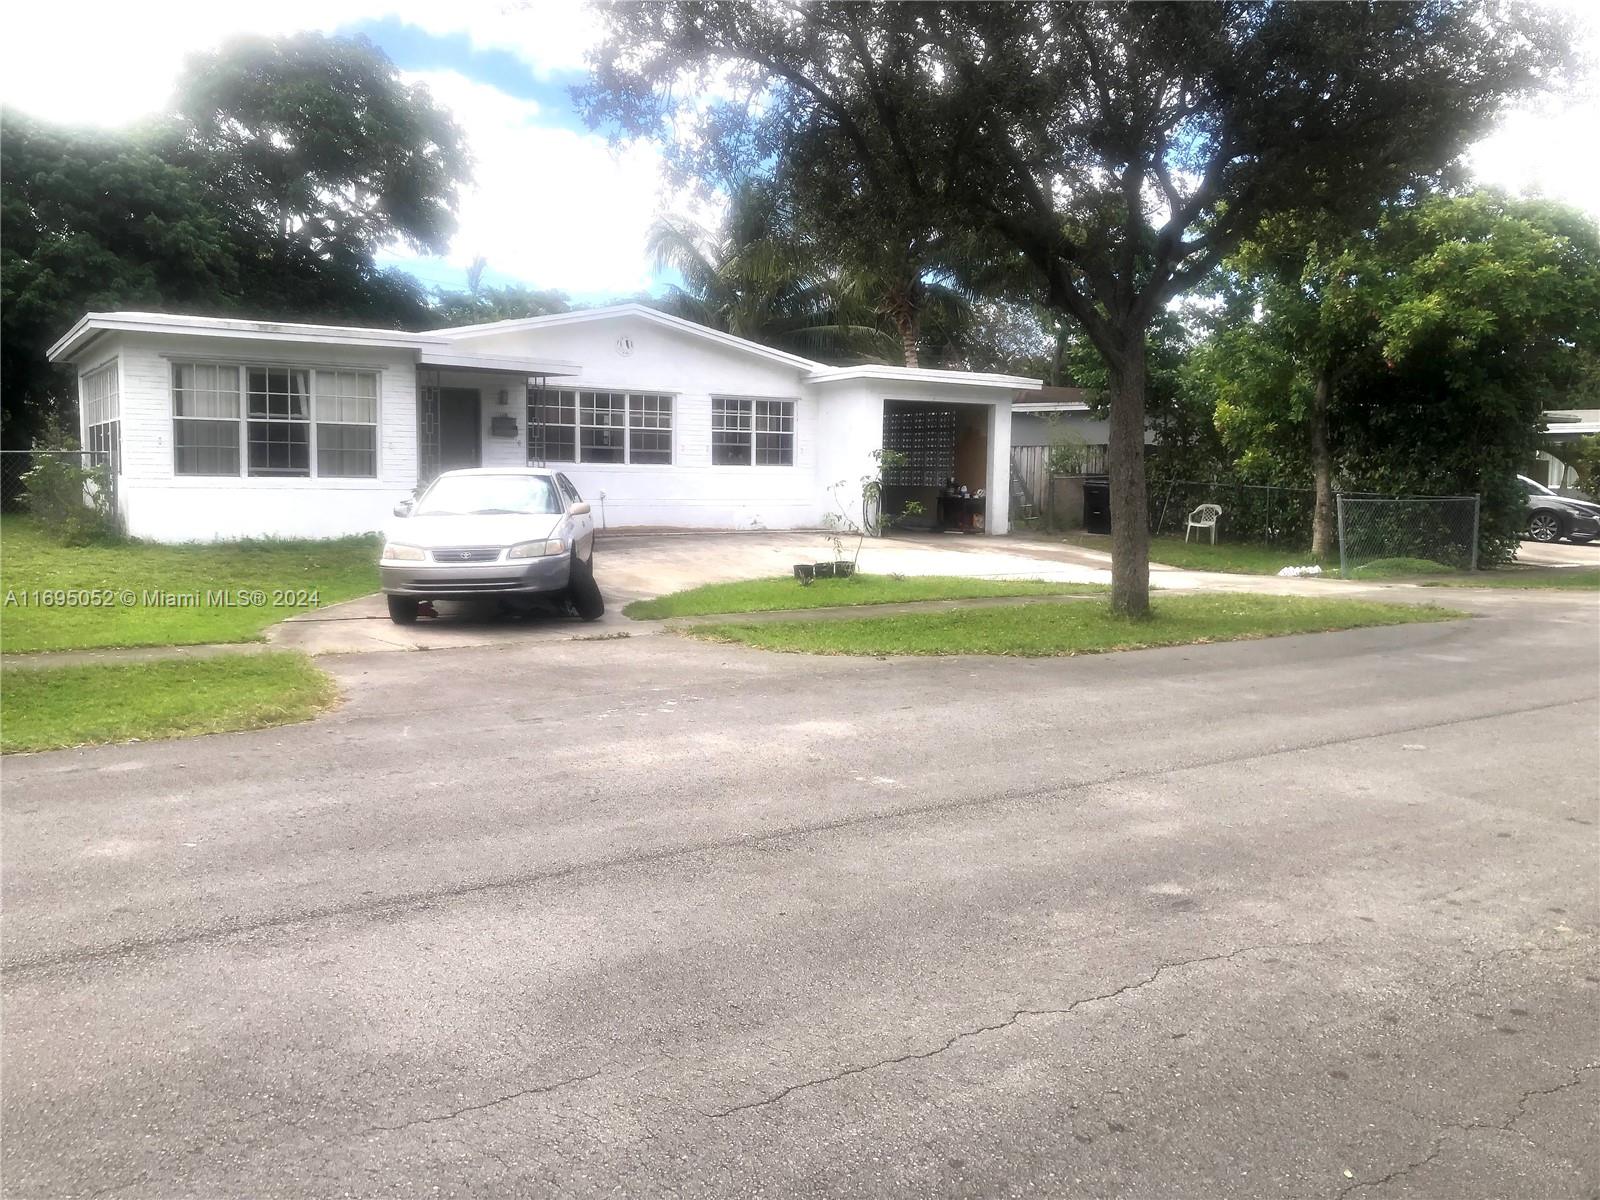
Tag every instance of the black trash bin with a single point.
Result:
(1096, 504)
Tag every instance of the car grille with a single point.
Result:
(467, 554)
(463, 585)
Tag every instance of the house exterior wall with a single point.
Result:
(159, 504)
(838, 426)
(1036, 429)
(692, 491)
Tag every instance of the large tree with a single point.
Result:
(281, 170)
(1414, 356)
(1118, 150)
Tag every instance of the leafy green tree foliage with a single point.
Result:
(1118, 151)
(758, 278)
(318, 139)
(92, 221)
(283, 168)
(1434, 342)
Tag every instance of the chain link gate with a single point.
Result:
(1426, 529)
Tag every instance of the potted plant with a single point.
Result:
(840, 524)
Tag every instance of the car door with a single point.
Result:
(582, 526)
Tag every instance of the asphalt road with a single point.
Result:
(1305, 917)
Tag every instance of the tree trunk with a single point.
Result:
(909, 337)
(1322, 519)
(1130, 525)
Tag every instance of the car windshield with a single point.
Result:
(1532, 488)
(486, 495)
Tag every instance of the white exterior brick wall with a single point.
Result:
(837, 426)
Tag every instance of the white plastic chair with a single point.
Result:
(1204, 517)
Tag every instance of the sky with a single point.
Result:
(552, 204)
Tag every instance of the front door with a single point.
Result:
(460, 429)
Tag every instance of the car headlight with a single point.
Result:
(396, 553)
(537, 549)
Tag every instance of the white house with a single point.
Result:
(224, 428)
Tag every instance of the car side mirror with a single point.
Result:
(403, 509)
(580, 509)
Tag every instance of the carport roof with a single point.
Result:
(924, 375)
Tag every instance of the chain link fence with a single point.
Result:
(1256, 513)
(1407, 534)
(14, 464)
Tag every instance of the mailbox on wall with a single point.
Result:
(505, 427)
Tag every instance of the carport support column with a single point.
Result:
(997, 506)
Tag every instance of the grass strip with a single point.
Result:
(46, 708)
(785, 593)
(1082, 627)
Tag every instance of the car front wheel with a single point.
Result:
(585, 592)
(1544, 527)
(402, 610)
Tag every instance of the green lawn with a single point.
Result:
(780, 593)
(32, 567)
(1075, 627)
(1575, 578)
(51, 707)
(1228, 557)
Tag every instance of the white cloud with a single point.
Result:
(113, 62)
(554, 207)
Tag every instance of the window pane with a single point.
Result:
(279, 393)
(730, 437)
(204, 390)
(280, 448)
(206, 447)
(347, 451)
(650, 429)
(774, 433)
(552, 422)
(347, 397)
(600, 426)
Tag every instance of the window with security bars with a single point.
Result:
(271, 421)
(748, 432)
(565, 425)
(102, 415)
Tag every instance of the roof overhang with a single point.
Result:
(1049, 406)
(91, 324)
(924, 375)
(1571, 430)
(448, 356)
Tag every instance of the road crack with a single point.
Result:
(981, 1030)
(1509, 1125)
(537, 1090)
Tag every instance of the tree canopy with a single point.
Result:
(283, 168)
(1113, 154)
(1435, 339)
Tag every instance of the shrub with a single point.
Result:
(70, 501)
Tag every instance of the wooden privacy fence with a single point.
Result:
(1030, 476)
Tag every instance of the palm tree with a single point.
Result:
(756, 279)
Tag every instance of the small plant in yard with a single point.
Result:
(841, 525)
(69, 500)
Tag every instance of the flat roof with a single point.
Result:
(923, 375)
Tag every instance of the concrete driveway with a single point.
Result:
(1309, 917)
(632, 566)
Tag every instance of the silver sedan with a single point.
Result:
(514, 533)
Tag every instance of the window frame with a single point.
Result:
(569, 405)
(103, 436)
(746, 429)
(246, 415)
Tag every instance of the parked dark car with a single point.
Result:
(1552, 517)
